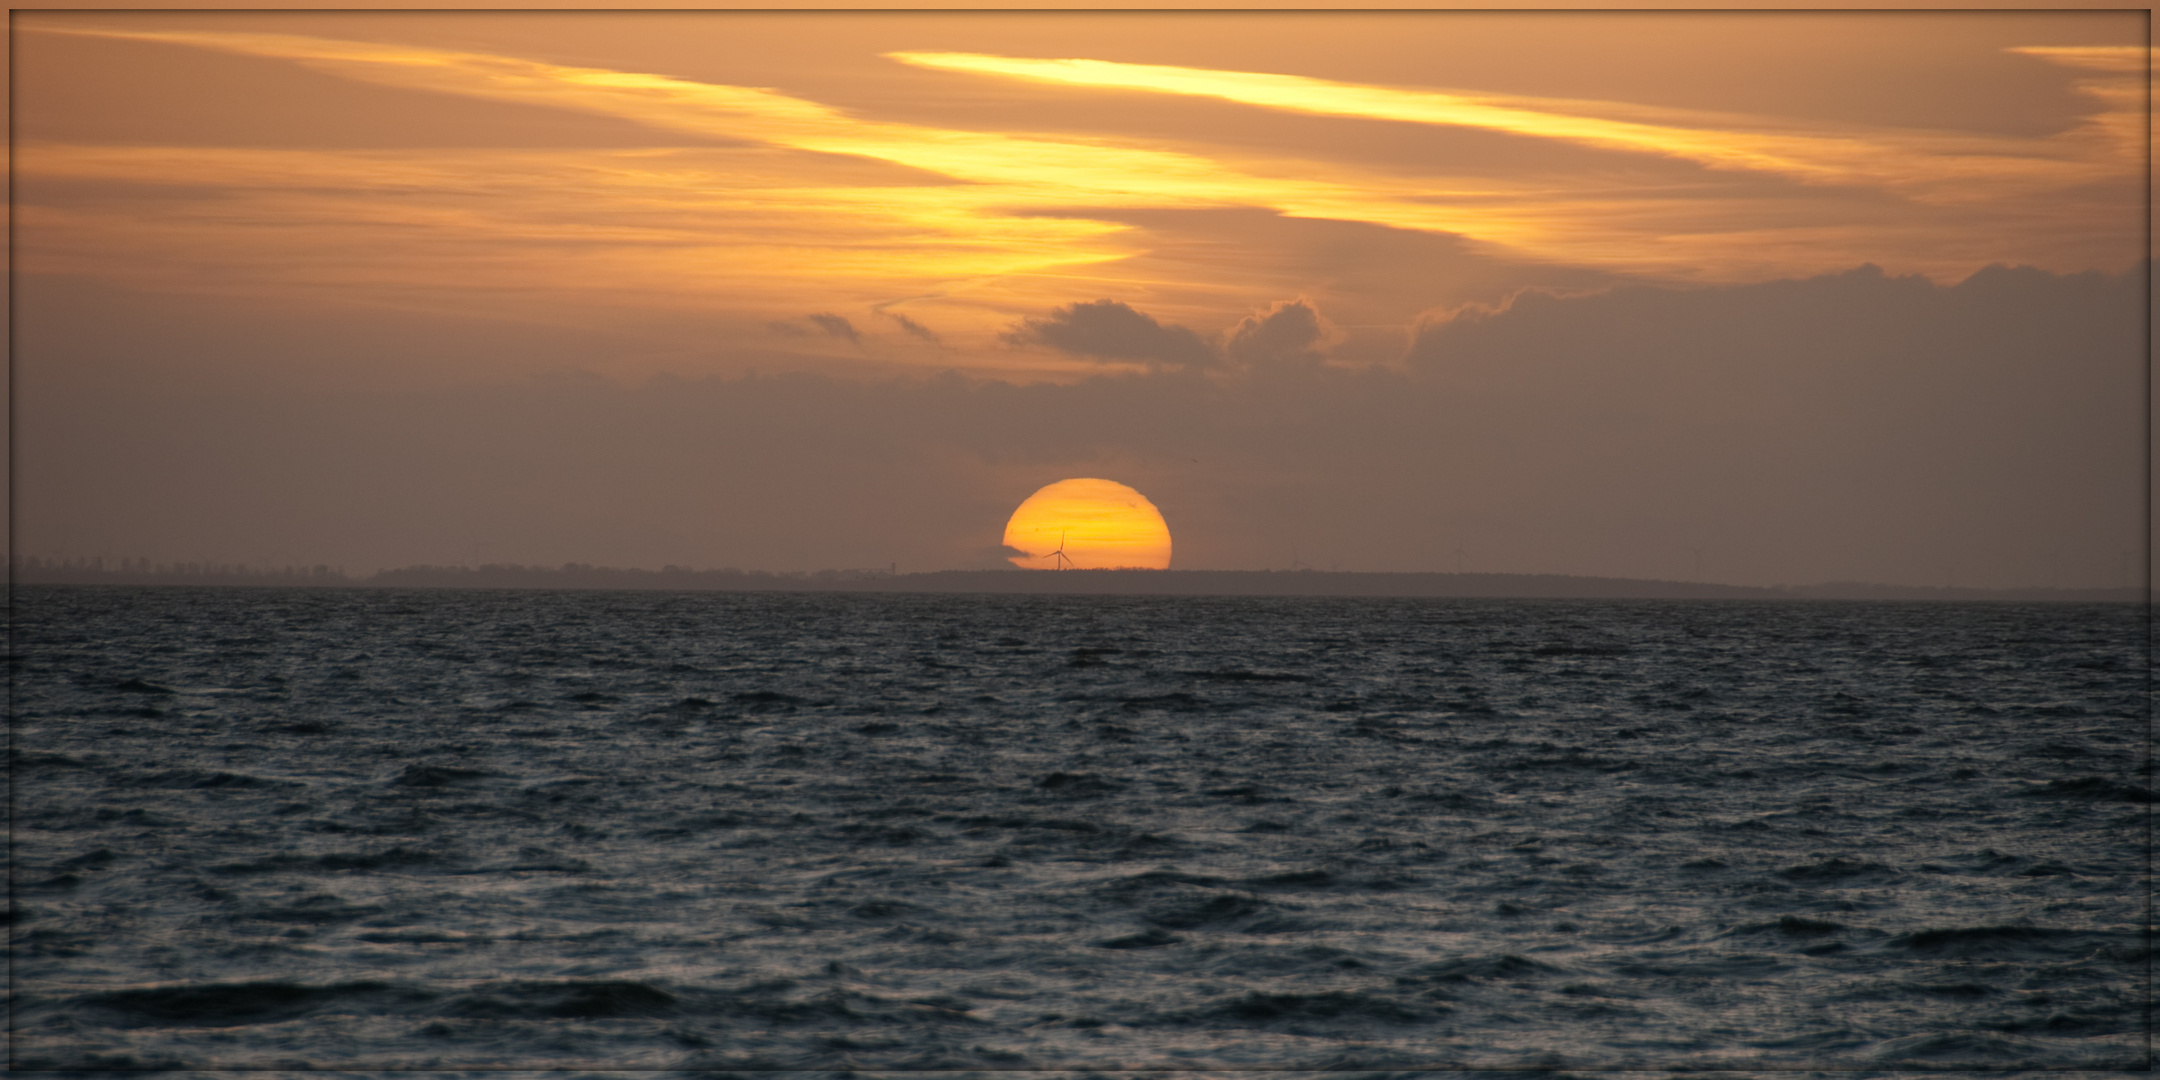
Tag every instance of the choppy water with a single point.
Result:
(433, 830)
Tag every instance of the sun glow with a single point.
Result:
(1089, 524)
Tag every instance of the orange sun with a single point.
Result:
(1096, 524)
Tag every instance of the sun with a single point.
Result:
(1098, 524)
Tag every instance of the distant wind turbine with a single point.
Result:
(1459, 556)
(1063, 559)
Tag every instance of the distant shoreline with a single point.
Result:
(1375, 584)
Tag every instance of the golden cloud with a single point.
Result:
(827, 208)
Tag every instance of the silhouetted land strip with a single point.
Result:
(34, 571)
(1496, 586)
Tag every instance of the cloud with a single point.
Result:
(1855, 426)
(1111, 330)
(1916, 430)
(836, 325)
(999, 557)
(1720, 141)
(1000, 169)
(1289, 334)
(915, 328)
(783, 203)
(2115, 59)
(2122, 89)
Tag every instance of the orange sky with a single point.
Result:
(1616, 293)
(933, 178)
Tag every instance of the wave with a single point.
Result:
(399, 857)
(440, 776)
(1079, 784)
(278, 1001)
(244, 1003)
(1484, 968)
(200, 779)
(2093, 787)
(1833, 869)
(563, 1001)
(1999, 941)
(1257, 1008)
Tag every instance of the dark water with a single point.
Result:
(433, 830)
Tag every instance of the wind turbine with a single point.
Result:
(1059, 554)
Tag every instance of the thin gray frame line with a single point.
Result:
(857, 1071)
(14, 461)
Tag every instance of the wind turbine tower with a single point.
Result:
(1062, 559)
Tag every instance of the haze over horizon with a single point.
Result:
(1744, 298)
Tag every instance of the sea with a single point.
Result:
(396, 831)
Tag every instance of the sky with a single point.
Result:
(1755, 297)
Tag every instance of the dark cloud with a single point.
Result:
(913, 327)
(1110, 330)
(1290, 334)
(1826, 343)
(1856, 427)
(836, 325)
(1367, 278)
(998, 557)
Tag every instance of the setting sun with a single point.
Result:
(1089, 524)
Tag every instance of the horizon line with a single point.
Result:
(98, 570)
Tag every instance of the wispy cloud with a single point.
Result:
(661, 223)
(836, 325)
(810, 207)
(985, 204)
(913, 328)
(1081, 172)
(1876, 156)
(2120, 87)
(2116, 59)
